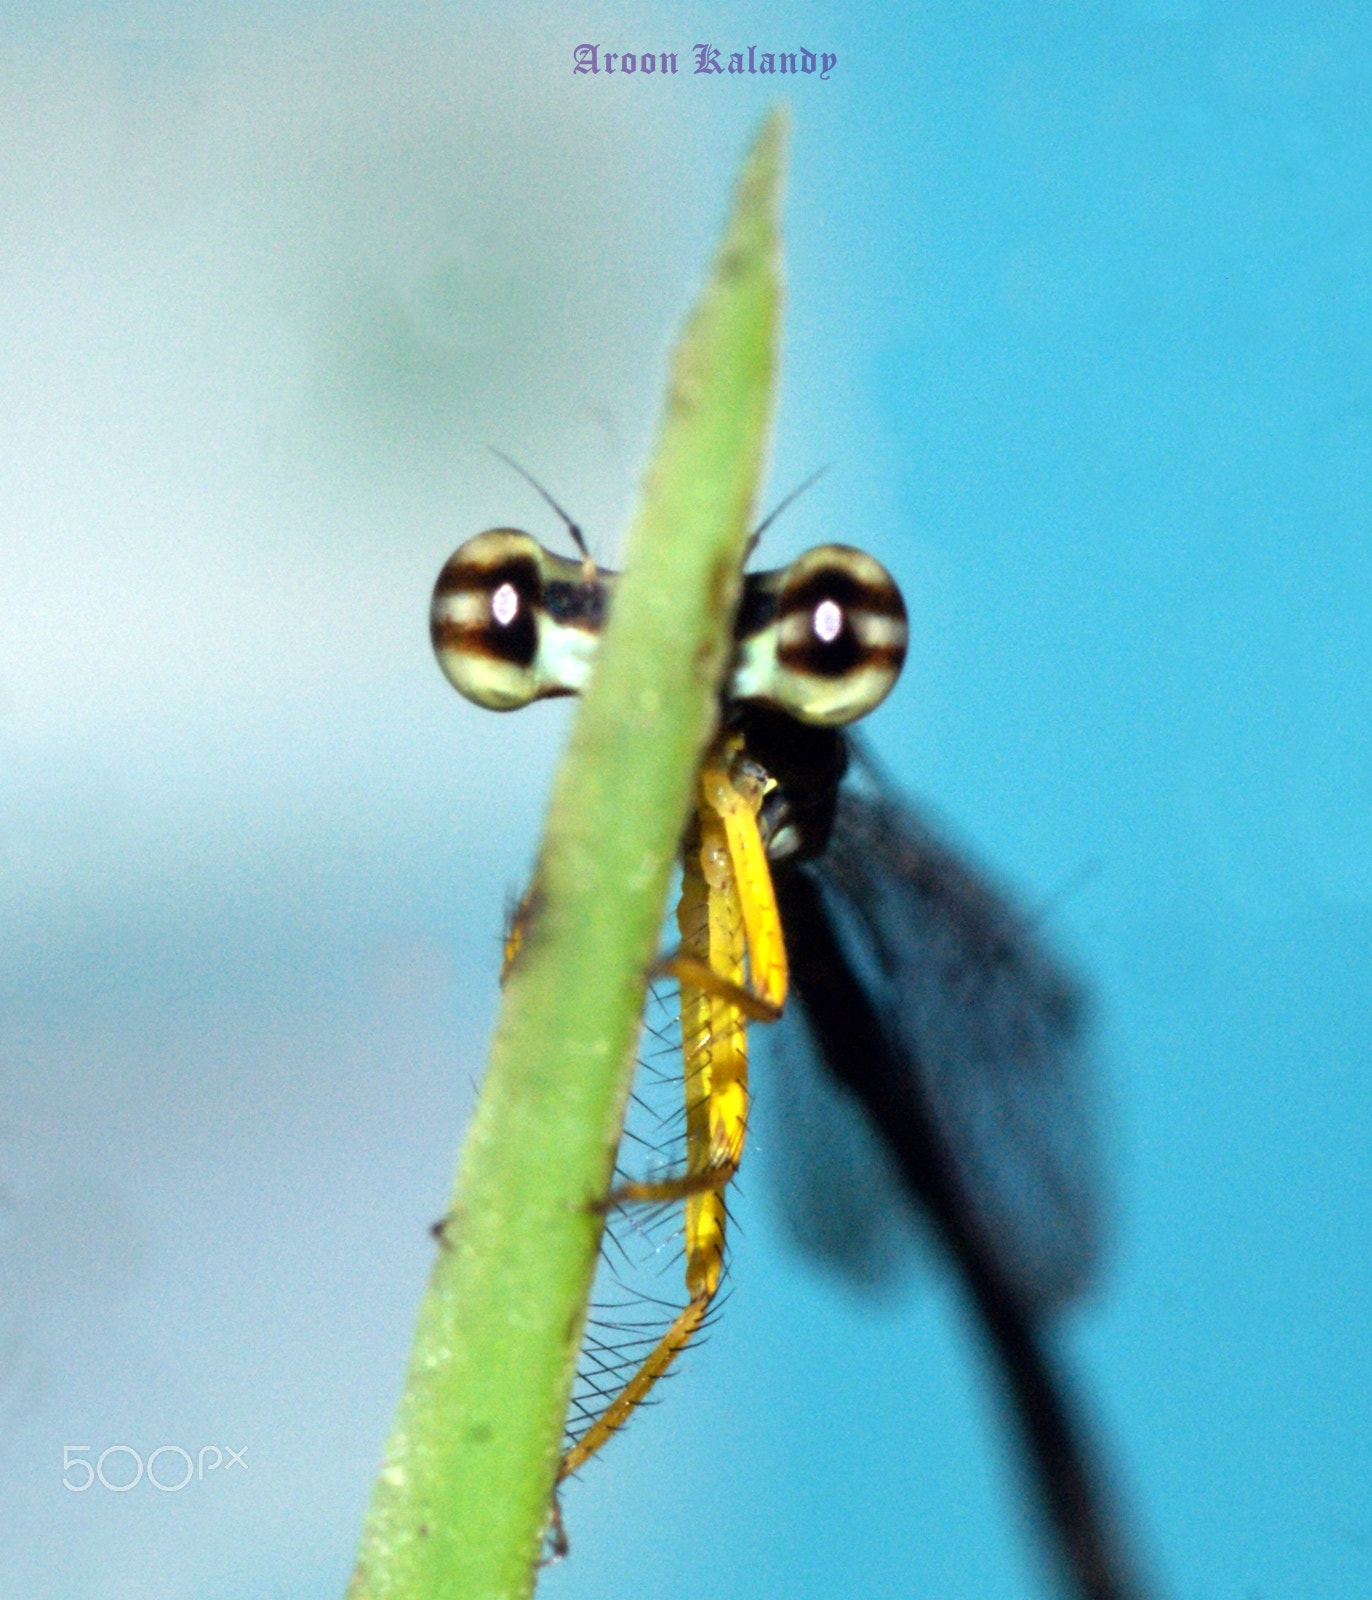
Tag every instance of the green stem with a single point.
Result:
(459, 1508)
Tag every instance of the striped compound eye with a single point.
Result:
(823, 639)
(511, 622)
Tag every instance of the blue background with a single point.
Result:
(1081, 314)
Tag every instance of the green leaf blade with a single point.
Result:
(461, 1502)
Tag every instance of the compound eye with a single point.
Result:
(486, 619)
(824, 639)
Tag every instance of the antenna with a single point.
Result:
(772, 515)
(588, 566)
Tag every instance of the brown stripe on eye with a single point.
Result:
(460, 577)
(827, 620)
(847, 592)
(502, 601)
(472, 639)
(822, 658)
(515, 641)
(447, 634)
(829, 661)
(485, 577)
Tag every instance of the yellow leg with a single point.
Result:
(613, 1418)
(735, 798)
(714, 1047)
(727, 914)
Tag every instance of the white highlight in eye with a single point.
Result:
(505, 604)
(827, 621)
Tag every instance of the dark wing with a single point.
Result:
(934, 1002)
(839, 1194)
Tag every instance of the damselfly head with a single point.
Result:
(511, 622)
(822, 640)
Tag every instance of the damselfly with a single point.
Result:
(930, 1001)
